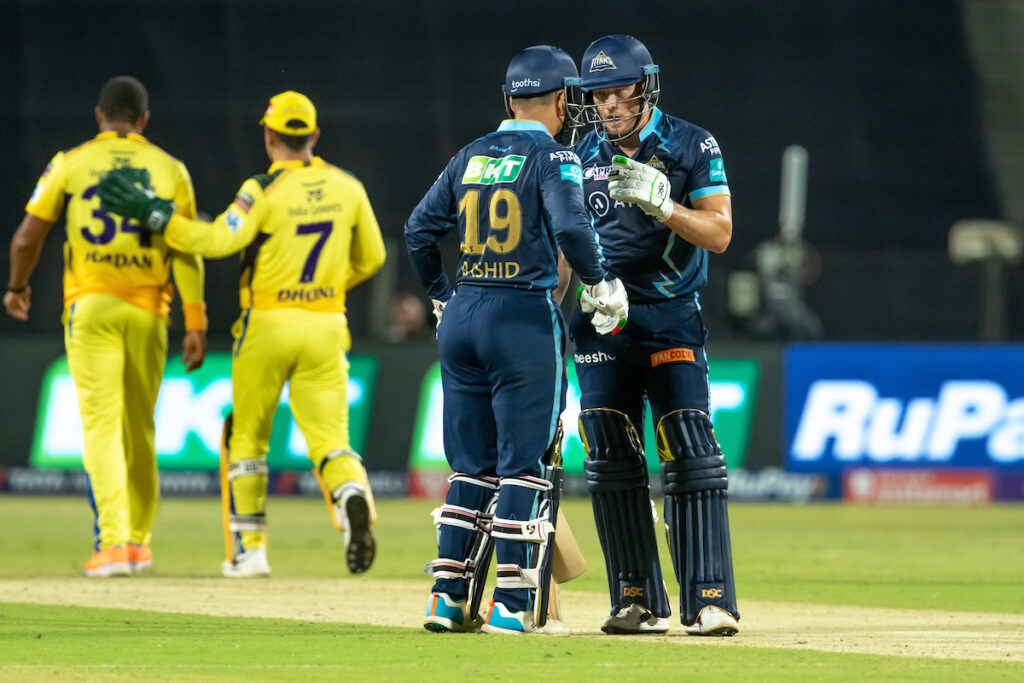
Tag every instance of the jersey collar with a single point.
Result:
(522, 125)
(651, 125)
(112, 134)
(295, 163)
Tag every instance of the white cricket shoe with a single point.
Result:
(248, 564)
(447, 615)
(634, 619)
(553, 627)
(713, 621)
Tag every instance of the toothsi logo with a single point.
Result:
(601, 62)
(525, 83)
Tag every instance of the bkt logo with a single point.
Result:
(849, 421)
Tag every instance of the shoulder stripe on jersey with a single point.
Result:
(710, 191)
(651, 125)
(264, 179)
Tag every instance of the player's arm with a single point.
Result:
(708, 224)
(26, 246)
(189, 275)
(431, 220)
(562, 193)
(564, 278)
(367, 253)
(228, 233)
(41, 212)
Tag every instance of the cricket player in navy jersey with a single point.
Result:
(656, 190)
(516, 197)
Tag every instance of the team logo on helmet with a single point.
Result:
(601, 62)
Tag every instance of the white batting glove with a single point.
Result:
(439, 309)
(643, 185)
(607, 300)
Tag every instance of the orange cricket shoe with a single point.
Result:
(112, 561)
(139, 557)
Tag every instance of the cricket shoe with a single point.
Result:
(713, 621)
(501, 620)
(634, 619)
(247, 564)
(353, 514)
(447, 615)
(139, 557)
(112, 561)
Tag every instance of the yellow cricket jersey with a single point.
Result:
(308, 231)
(106, 253)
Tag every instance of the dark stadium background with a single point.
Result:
(884, 97)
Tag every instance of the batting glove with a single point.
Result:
(122, 191)
(643, 185)
(439, 307)
(608, 302)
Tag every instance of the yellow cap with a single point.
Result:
(290, 113)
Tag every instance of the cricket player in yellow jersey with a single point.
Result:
(117, 298)
(309, 235)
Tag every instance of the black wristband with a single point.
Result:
(17, 290)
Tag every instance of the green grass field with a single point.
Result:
(963, 564)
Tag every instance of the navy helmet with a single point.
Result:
(612, 62)
(542, 69)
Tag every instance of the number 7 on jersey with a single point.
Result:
(324, 230)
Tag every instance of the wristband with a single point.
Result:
(195, 316)
(17, 290)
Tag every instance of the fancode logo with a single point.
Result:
(850, 421)
(633, 591)
(671, 356)
(484, 170)
(711, 593)
(601, 62)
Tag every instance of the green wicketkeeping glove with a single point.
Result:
(126, 191)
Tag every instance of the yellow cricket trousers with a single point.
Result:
(116, 354)
(307, 350)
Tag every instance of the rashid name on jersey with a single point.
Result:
(516, 196)
(308, 231)
(653, 262)
(106, 253)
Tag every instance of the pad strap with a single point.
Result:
(461, 517)
(476, 480)
(444, 568)
(529, 530)
(514, 576)
(528, 482)
(247, 468)
(240, 523)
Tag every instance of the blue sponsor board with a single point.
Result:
(929, 406)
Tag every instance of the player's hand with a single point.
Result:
(194, 351)
(122, 191)
(609, 303)
(18, 303)
(643, 185)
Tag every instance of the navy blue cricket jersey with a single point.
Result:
(653, 262)
(516, 196)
